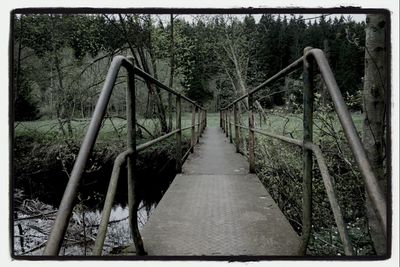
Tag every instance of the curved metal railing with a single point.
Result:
(67, 203)
(371, 183)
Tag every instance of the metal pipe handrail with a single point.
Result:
(328, 184)
(152, 142)
(67, 203)
(371, 183)
(112, 189)
(156, 140)
(55, 239)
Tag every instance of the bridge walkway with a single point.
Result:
(216, 208)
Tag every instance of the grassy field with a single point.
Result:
(292, 124)
(111, 129)
(286, 124)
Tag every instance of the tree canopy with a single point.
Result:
(216, 57)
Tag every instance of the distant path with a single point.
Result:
(216, 208)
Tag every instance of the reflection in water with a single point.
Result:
(83, 226)
(118, 234)
(120, 214)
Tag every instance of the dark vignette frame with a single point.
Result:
(192, 11)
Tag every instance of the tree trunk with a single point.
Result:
(374, 95)
(155, 92)
(238, 71)
(62, 104)
(171, 73)
(147, 66)
(324, 90)
(159, 102)
(261, 111)
(82, 108)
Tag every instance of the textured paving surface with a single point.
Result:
(215, 155)
(216, 208)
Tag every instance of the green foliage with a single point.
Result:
(49, 33)
(202, 49)
(25, 106)
(281, 173)
(195, 59)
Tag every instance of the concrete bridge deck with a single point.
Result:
(216, 208)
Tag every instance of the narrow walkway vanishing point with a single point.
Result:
(215, 207)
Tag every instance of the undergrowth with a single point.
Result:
(279, 166)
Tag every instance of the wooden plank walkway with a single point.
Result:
(215, 207)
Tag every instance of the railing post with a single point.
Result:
(307, 154)
(220, 118)
(225, 129)
(230, 126)
(205, 118)
(193, 133)
(236, 122)
(169, 111)
(226, 124)
(202, 121)
(199, 125)
(178, 155)
(251, 135)
(133, 199)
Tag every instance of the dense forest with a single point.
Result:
(60, 62)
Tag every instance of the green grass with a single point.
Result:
(285, 124)
(115, 129)
(292, 124)
(212, 119)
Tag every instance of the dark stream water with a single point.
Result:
(154, 171)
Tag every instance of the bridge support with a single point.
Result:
(226, 124)
(230, 125)
(224, 120)
(178, 155)
(236, 122)
(307, 153)
(252, 164)
(199, 125)
(220, 119)
(133, 198)
(193, 131)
